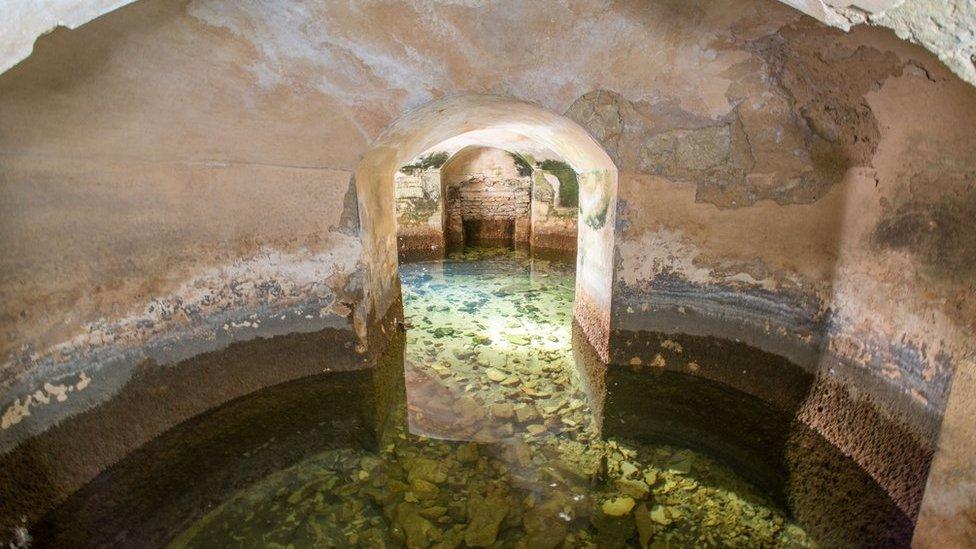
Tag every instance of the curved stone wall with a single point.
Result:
(178, 176)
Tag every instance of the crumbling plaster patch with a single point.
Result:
(270, 293)
(946, 28)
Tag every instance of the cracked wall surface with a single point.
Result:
(175, 167)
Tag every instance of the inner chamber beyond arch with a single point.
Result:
(492, 121)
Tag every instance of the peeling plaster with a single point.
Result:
(269, 293)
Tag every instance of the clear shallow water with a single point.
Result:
(498, 445)
(486, 423)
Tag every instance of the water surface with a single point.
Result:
(500, 445)
(486, 424)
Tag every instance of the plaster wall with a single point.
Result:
(768, 180)
(943, 27)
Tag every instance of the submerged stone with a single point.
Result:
(546, 485)
(418, 531)
(485, 517)
(495, 374)
(617, 507)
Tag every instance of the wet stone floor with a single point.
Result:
(497, 444)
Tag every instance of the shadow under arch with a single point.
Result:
(491, 117)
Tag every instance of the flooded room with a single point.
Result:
(468, 274)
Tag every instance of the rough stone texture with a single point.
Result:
(40, 474)
(840, 505)
(486, 198)
(420, 212)
(890, 451)
(553, 224)
(594, 322)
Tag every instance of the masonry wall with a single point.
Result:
(487, 200)
(420, 212)
(553, 223)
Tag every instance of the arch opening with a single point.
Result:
(461, 193)
(499, 123)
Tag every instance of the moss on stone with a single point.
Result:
(521, 164)
(426, 162)
(568, 181)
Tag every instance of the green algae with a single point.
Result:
(568, 181)
(426, 162)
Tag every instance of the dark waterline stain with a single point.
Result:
(480, 427)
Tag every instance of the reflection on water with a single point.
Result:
(489, 354)
(479, 428)
(499, 447)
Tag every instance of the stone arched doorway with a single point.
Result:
(525, 197)
(491, 121)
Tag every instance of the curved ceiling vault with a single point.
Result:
(944, 27)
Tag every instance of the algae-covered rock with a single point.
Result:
(614, 531)
(418, 531)
(645, 524)
(660, 515)
(427, 469)
(422, 488)
(544, 529)
(617, 507)
(526, 413)
(485, 517)
(521, 453)
(467, 453)
(627, 469)
(468, 410)
(496, 375)
(634, 488)
(503, 410)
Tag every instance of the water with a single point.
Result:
(486, 425)
(500, 446)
